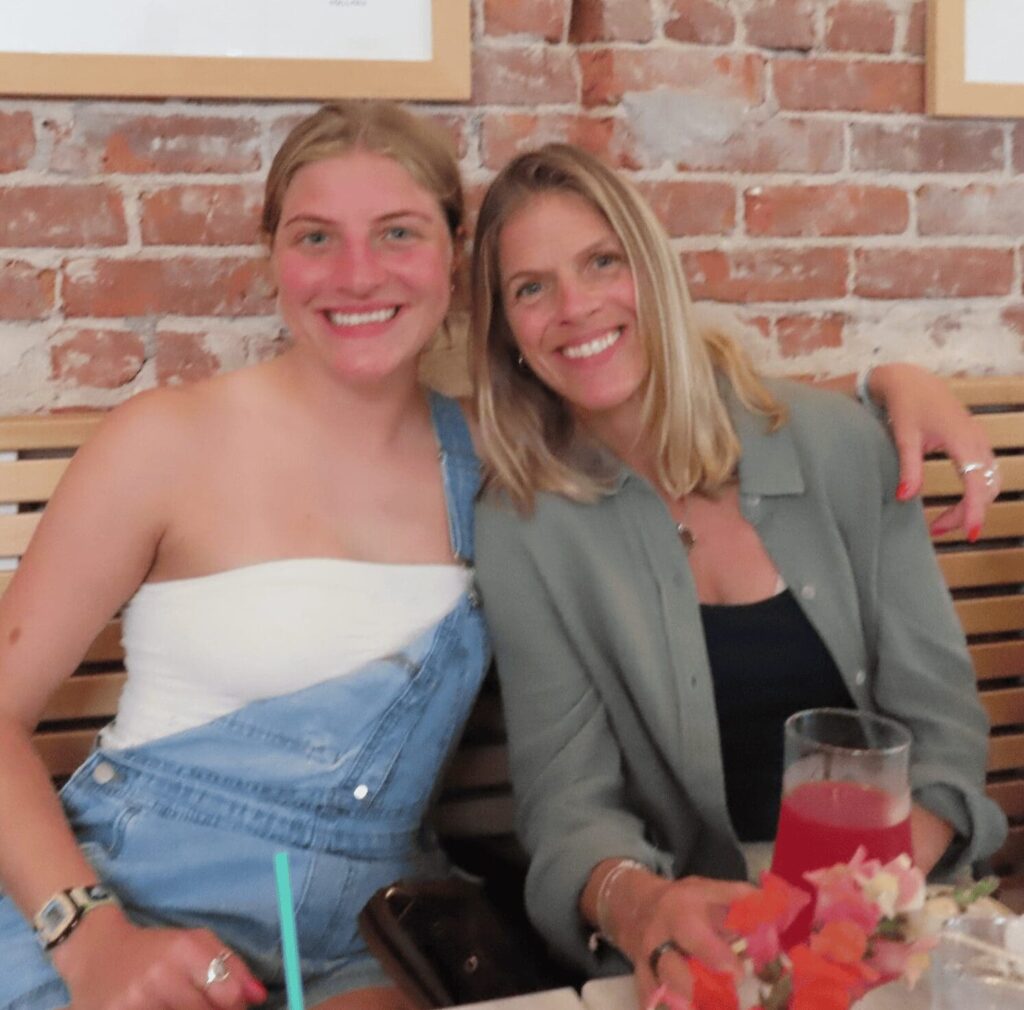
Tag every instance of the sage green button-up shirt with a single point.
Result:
(605, 679)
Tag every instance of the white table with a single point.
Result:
(550, 999)
(618, 994)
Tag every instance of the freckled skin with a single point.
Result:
(14, 635)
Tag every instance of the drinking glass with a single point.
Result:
(979, 964)
(846, 784)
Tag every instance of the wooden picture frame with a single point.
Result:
(958, 30)
(444, 77)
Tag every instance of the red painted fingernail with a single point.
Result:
(973, 533)
(903, 490)
(255, 992)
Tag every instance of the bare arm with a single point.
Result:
(926, 417)
(94, 546)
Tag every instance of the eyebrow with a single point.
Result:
(383, 219)
(583, 254)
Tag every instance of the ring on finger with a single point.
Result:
(655, 956)
(218, 970)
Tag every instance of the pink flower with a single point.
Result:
(761, 916)
(664, 998)
(898, 958)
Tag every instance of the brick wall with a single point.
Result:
(782, 141)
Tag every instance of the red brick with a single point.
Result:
(102, 359)
(702, 21)
(799, 335)
(201, 215)
(852, 85)
(62, 216)
(977, 209)
(611, 20)
(17, 140)
(777, 145)
(767, 275)
(186, 286)
(860, 27)
(1013, 317)
(504, 136)
(524, 76)
(826, 210)
(693, 208)
(1018, 147)
(927, 147)
(114, 142)
(26, 291)
(933, 273)
(608, 73)
(183, 357)
(781, 24)
(542, 18)
(915, 42)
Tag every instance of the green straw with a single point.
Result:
(289, 938)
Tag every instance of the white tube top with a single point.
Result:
(199, 648)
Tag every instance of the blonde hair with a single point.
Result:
(420, 147)
(527, 431)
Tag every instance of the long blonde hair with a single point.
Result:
(527, 431)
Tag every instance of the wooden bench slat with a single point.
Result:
(64, 750)
(107, 647)
(91, 696)
(1005, 706)
(30, 480)
(991, 615)
(993, 660)
(1006, 752)
(1009, 795)
(47, 431)
(1005, 430)
(985, 567)
(942, 480)
(989, 390)
(15, 532)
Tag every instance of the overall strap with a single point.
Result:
(461, 468)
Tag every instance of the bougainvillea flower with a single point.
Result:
(841, 941)
(820, 996)
(776, 903)
(895, 958)
(896, 887)
(712, 990)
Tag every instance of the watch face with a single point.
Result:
(56, 914)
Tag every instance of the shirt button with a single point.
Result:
(808, 592)
(859, 677)
(103, 773)
(361, 792)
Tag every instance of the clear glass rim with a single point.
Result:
(854, 714)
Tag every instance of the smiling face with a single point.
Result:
(363, 262)
(570, 300)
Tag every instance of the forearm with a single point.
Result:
(930, 837)
(38, 851)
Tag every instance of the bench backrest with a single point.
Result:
(986, 579)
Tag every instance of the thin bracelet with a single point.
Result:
(863, 392)
(603, 933)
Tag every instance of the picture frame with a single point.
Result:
(973, 59)
(444, 76)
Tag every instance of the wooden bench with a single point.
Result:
(475, 800)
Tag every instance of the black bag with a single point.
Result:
(443, 943)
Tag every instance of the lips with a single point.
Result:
(365, 318)
(590, 348)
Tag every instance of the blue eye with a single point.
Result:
(527, 290)
(605, 260)
(314, 238)
(399, 232)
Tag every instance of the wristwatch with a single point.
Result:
(54, 922)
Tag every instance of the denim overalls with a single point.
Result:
(339, 775)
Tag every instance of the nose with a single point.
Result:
(358, 269)
(577, 299)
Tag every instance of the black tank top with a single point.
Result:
(767, 662)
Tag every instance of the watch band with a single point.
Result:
(58, 917)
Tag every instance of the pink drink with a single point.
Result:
(822, 823)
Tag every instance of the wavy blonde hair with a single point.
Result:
(527, 431)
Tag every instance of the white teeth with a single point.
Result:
(362, 318)
(592, 347)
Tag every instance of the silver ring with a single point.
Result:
(655, 956)
(218, 970)
(965, 468)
